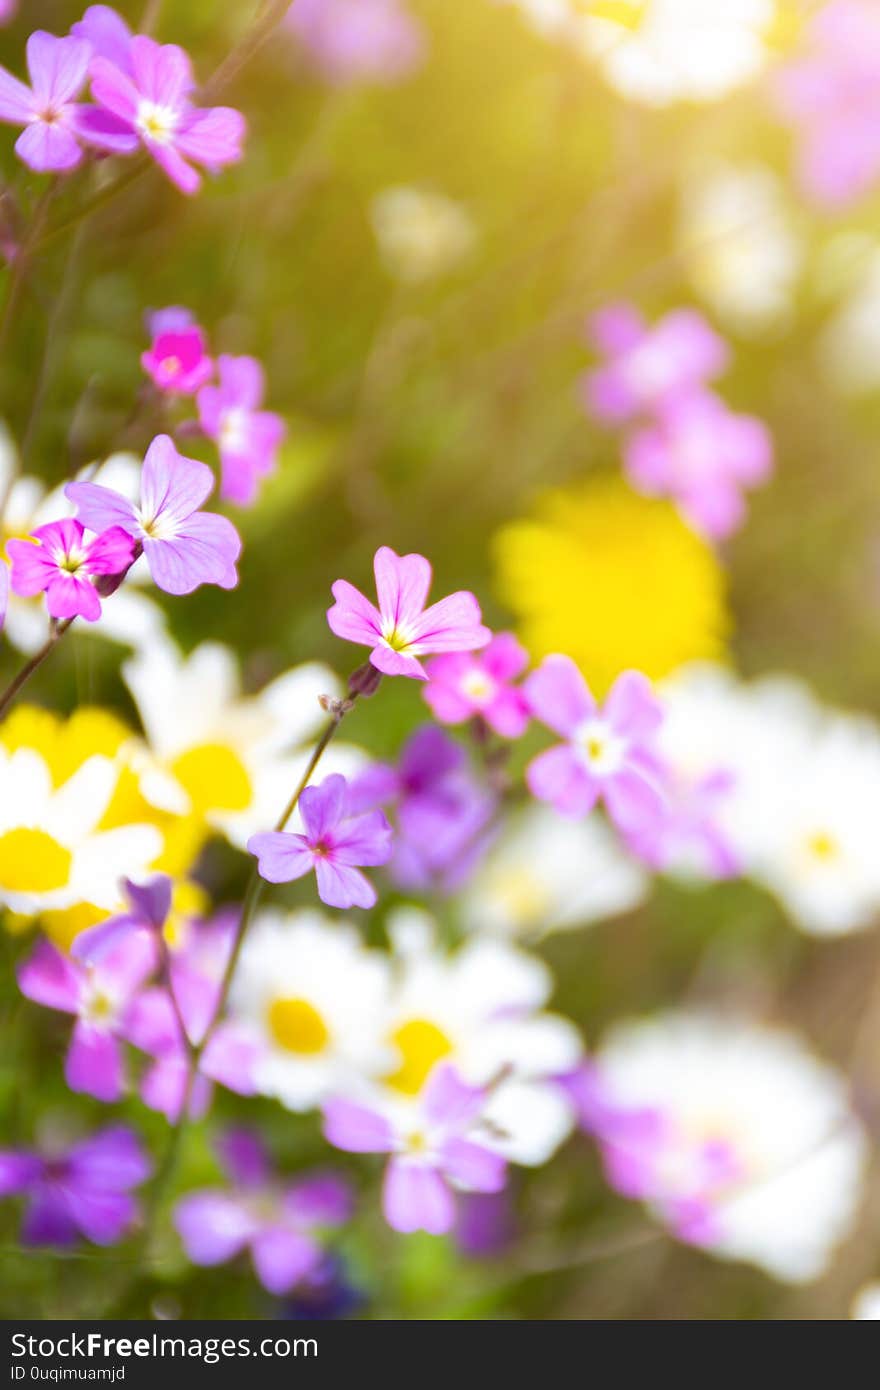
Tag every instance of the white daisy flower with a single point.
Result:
(235, 759)
(549, 873)
(866, 1304)
(53, 853)
(317, 999)
(738, 1139)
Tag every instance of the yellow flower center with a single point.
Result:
(421, 1045)
(31, 861)
(520, 895)
(629, 14)
(823, 846)
(214, 778)
(170, 364)
(296, 1025)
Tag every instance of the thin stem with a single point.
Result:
(57, 631)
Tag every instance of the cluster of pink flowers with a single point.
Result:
(229, 410)
(681, 440)
(141, 101)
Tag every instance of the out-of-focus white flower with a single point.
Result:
(866, 1304)
(547, 16)
(738, 1139)
(480, 1008)
(849, 347)
(234, 758)
(53, 852)
(548, 873)
(421, 234)
(742, 252)
(662, 51)
(318, 1001)
(131, 618)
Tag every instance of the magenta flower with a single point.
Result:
(434, 1151)
(280, 1223)
(832, 97)
(47, 109)
(107, 33)
(334, 844)
(248, 438)
(463, 685)
(358, 40)
(608, 753)
(85, 1191)
(149, 906)
(177, 361)
(702, 455)
(62, 564)
(4, 591)
(442, 813)
(402, 629)
(101, 997)
(648, 367)
(151, 97)
(156, 1023)
(184, 547)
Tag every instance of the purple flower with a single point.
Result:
(149, 906)
(62, 563)
(280, 1223)
(463, 685)
(177, 361)
(442, 813)
(47, 109)
(607, 752)
(433, 1148)
(183, 546)
(4, 591)
(151, 97)
(102, 997)
(832, 97)
(402, 629)
(702, 455)
(358, 40)
(686, 833)
(85, 1191)
(248, 438)
(156, 1024)
(648, 367)
(107, 33)
(334, 844)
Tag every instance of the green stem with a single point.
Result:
(57, 631)
(21, 263)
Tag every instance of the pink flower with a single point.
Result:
(435, 1151)
(832, 97)
(4, 591)
(152, 99)
(358, 40)
(184, 547)
(107, 33)
(47, 109)
(401, 629)
(687, 835)
(334, 844)
(607, 753)
(702, 455)
(248, 438)
(463, 685)
(101, 997)
(647, 367)
(62, 564)
(177, 360)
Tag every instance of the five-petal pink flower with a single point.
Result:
(248, 438)
(335, 844)
(479, 685)
(61, 563)
(48, 109)
(608, 752)
(401, 628)
(177, 360)
(184, 547)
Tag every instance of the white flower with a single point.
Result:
(317, 999)
(480, 1009)
(129, 618)
(421, 234)
(849, 348)
(866, 1304)
(231, 756)
(741, 250)
(787, 1154)
(548, 873)
(53, 853)
(661, 51)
